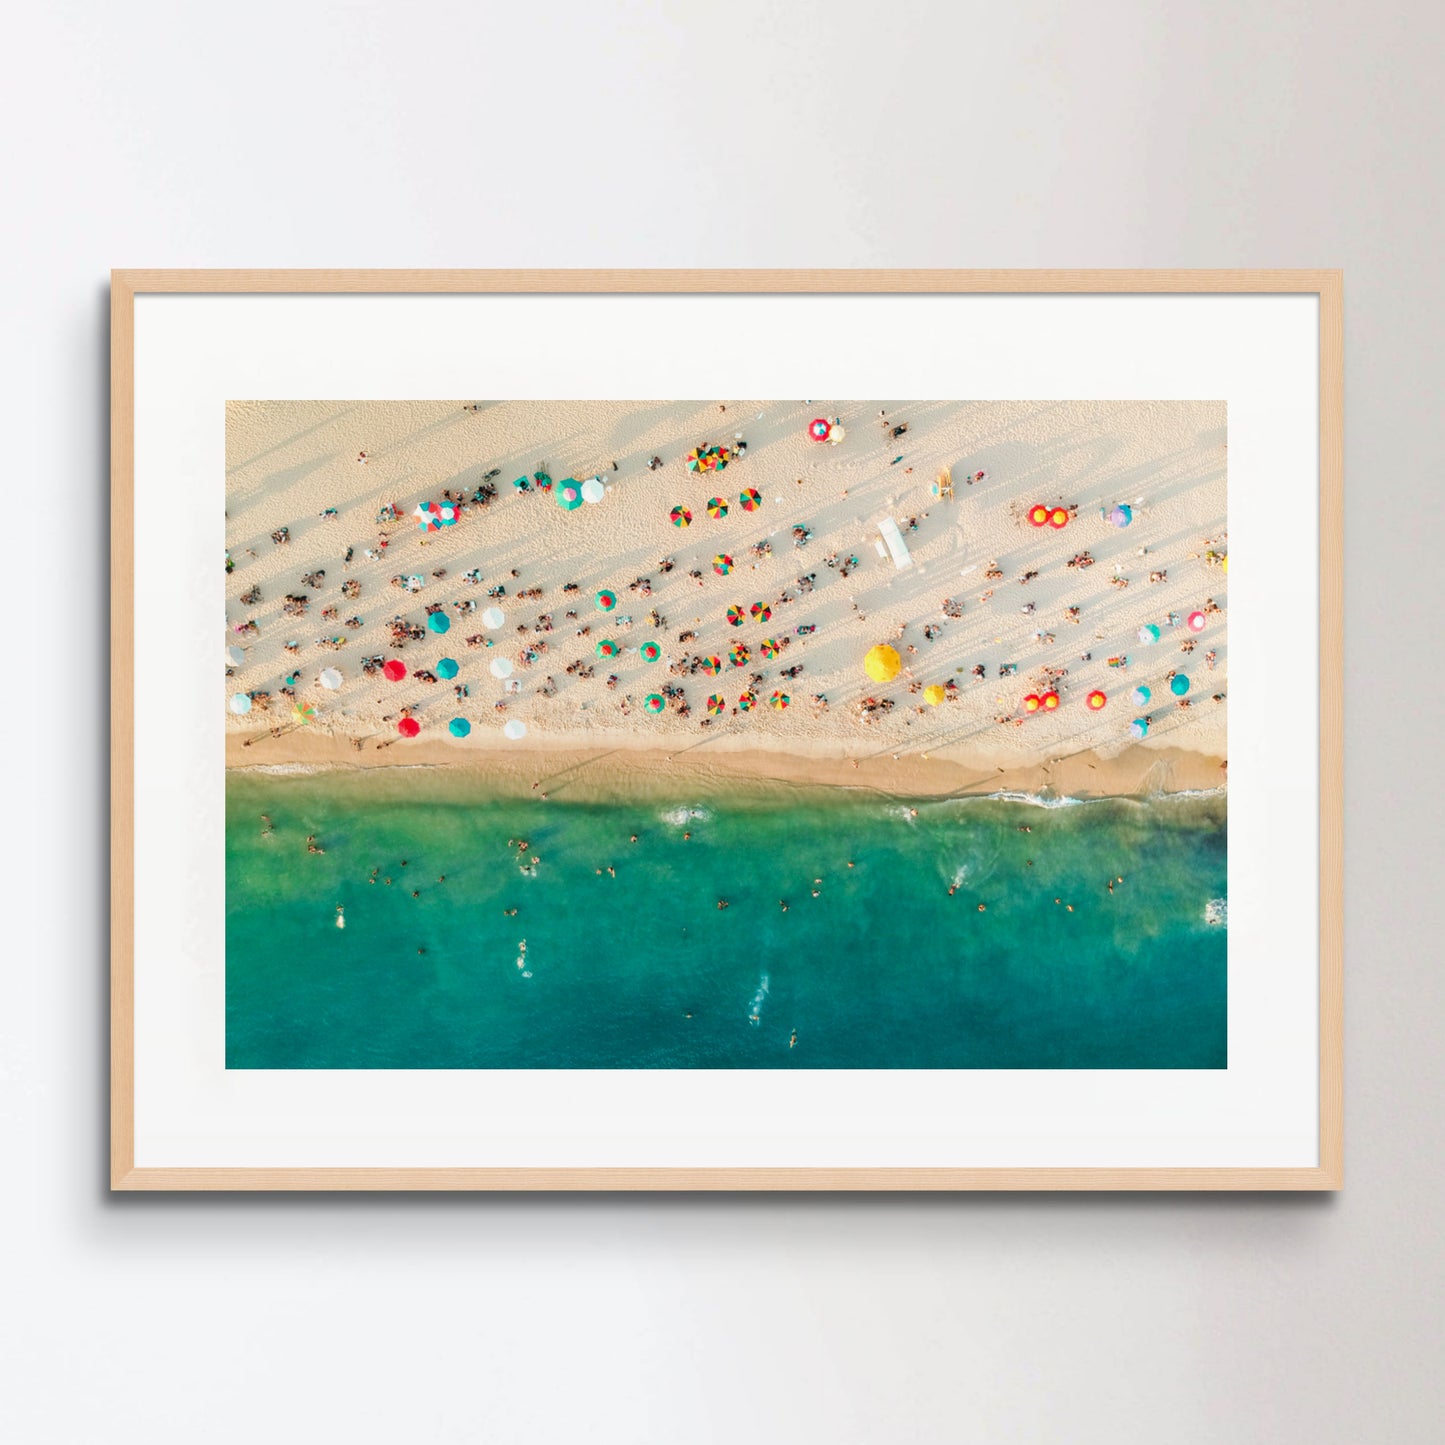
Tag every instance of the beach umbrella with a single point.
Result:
(1059, 517)
(1140, 727)
(696, 459)
(934, 694)
(710, 665)
(408, 727)
(330, 679)
(1096, 700)
(394, 670)
(515, 729)
(882, 663)
(747, 699)
(501, 667)
(447, 668)
(650, 651)
(1032, 703)
(722, 564)
(654, 702)
(820, 429)
(569, 496)
(428, 516)
(1178, 684)
(716, 507)
(750, 500)
(681, 517)
(715, 704)
(292, 678)
(719, 457)
(1148, 633)
(1140, 696)
(736, 616)
(493, 618)
(1121, 516)
(447, 514)
(235, 656)
(593, 491)
(1196, 621)
(1038, 515)
(739, 656)
(608, 648)
(761, 612)
(459, 727)
(779, 700)
(605, 600)
(438, 622)
(240, 704)
(305, 711)
(769, 648)
(1049, 701)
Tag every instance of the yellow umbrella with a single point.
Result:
(882, 663)
(934, 695)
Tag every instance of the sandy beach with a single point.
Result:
(990, 609)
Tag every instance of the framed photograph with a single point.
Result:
(726, 730)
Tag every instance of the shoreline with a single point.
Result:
(580, 771)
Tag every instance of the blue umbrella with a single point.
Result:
(438, 622)
(447, 667)
(1179, 684)
(1140, 727)
(1148, 633)
(1121, 515)
(459, 727)
(1141, 696)
(240, 703)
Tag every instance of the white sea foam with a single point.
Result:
(681, 817)
(755, 1010)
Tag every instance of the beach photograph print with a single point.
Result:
(726, 734)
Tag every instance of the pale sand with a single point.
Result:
(287, 461)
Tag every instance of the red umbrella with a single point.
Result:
(1096, 700)
(394, 670)
(1038, 515)
(408, 727)
(1059, 517)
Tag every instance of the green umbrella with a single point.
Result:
(608, 648)
(606, 600)
(654, 702)
(569, 496)
(650, 651)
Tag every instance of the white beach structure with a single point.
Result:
(893, 539)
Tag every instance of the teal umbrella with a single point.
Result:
(459, 727)
(447, 668)
(438, 622)
(1141, 696)
(1149, 633)
(1140, 727)
(1179, 684)
(569, 496)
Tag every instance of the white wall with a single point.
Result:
(1201, 133)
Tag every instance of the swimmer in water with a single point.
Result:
(722, 903)
(983, 907)
(783, 904)
(634, 837)
(792, 1038)
(686, 836)
(952, 889)
(510, 912)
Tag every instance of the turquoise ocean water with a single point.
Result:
(884, 969)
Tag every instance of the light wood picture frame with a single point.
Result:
(129, 285)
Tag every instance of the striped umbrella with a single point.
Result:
(715, 704)
(736, 616)
(654, 702)
(769, 648)
(1121, 516)
(681, 517)
(1140, 696)
(761, 612)
(447, 668)
(739, 656)
(716, 507)
(493, 618)
(459, 727)
(1096, 700)
(650, 651)
(720, 456)
(439, 622)
(722, 564)
(408, 727)
(305, 711)
(608, 648)
(1148, 633)
(779, 700)
(1140, 727)
(606, 600)
(697, 459)
(428, 516)
(747, 699)
(501, 667)
(750, 500)
(710, 665)
(569, 496)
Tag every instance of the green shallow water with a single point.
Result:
(884, 970)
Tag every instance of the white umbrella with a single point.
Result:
(235, 656)
(501, 667)
(493, 618)
(330, 679)
(515, 729)
(593, 490)
(240, 703)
